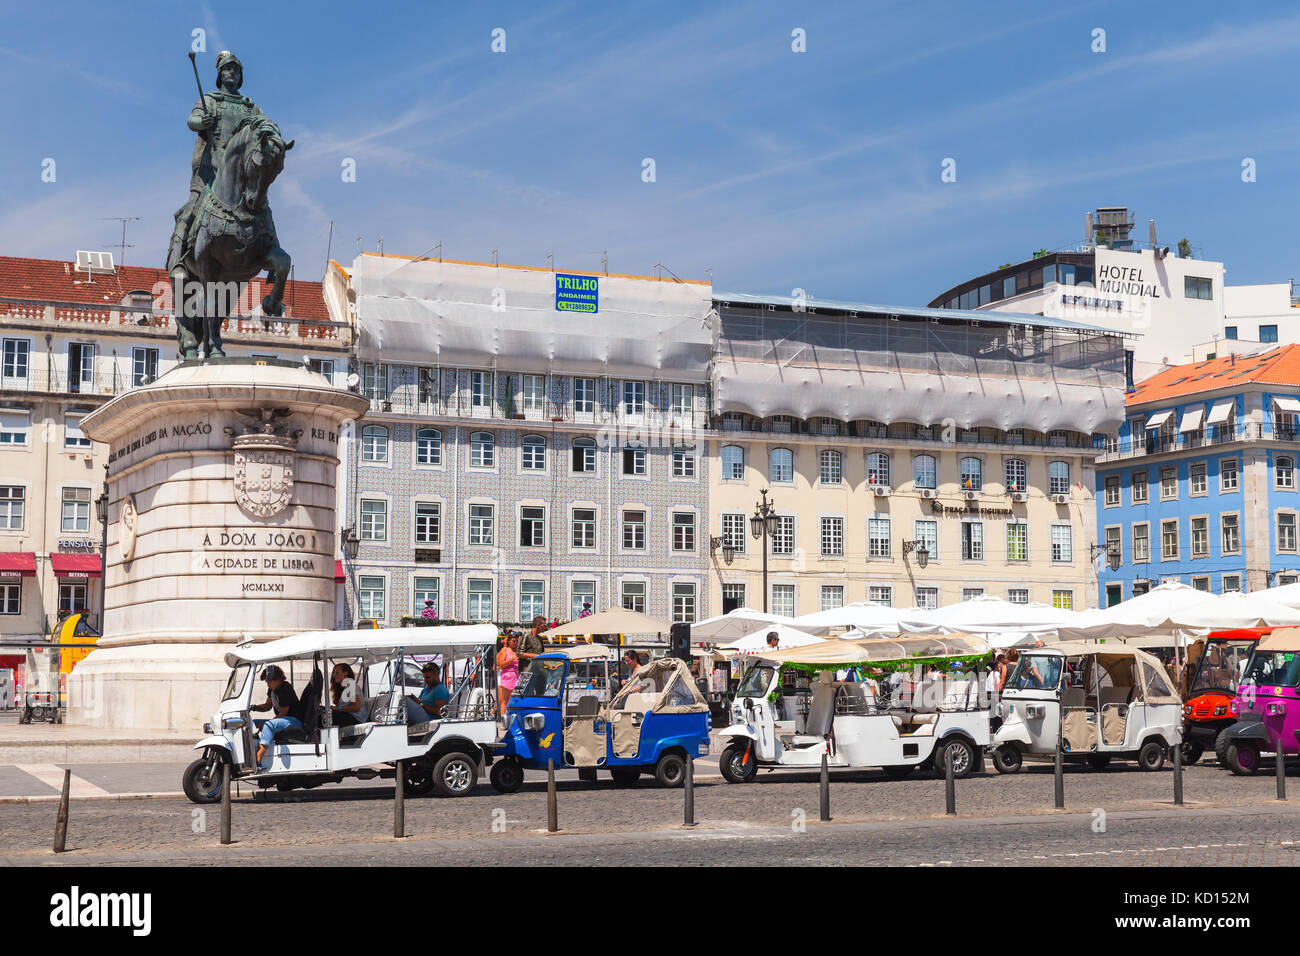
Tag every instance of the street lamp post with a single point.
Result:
(351, 547)
(917, 547)
(101, 512)
(763, 524)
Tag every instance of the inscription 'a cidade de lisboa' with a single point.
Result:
(242, 562)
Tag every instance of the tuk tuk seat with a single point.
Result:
(292, 735)
(355, 730)
(588, 706)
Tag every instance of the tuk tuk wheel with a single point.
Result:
(455, 774)
(1242, 759)
(202, 779)
(625, 776)
(1152, 755)
(735, 768)
(1191, 753)
(962, 755)
(507, 776)
(1098, 761)
(670, 771)
(1007, 759)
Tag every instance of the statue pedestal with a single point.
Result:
(221, 529)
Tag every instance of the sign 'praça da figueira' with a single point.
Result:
(969, 510)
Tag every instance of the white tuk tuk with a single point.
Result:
(790, 708)
(1101, 701)
(443, 754)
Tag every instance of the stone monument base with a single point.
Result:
(148, 686)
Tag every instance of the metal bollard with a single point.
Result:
(552, 810)
(225, 803)
(825, 790)
(689, 811)
(1178, 774)
(1281, 771)
(1059, 771)
(399, 801)
(949, 787)
(61, 820)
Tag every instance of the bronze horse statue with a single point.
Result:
(231, 240)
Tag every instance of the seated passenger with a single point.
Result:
(428, 706)
(349, 709)
(283, 704)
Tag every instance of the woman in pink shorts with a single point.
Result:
(507, 671)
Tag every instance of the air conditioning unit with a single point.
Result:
(929, 493)
(971, 495)
(1060, 499)
(1019, 496)
(882, 491)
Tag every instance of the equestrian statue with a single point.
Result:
(224, 234)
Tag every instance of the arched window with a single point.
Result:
(428, 447)
(832, 468)
(1016, 474)
(482, 450)
(924, 473)
(780, 465)
(878, 468)
(1284, 471)
(1058, 478)
(374, 443)
(972, 474)
(733, 463)
(532, 453)
(584, 456)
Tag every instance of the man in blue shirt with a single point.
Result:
(434, 696)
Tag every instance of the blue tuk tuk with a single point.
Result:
(562, 711)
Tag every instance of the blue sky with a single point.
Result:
(774, 169)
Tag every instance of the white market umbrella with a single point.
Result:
(734, 624)
(1224, 611)
(786, 636)
(864, 616)
(617, 621)
(1287, 594)
(986, 613)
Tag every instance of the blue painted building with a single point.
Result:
(1200, 484)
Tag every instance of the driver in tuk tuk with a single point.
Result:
(283, 703)
(429, 704)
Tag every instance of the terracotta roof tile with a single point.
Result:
(1281, 366)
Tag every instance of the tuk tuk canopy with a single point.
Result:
(664, 686)
(1281, 639)
(1125, 666)
(370, 644)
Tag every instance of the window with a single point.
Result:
(1018, 595)
(1197, 288)
(374, 381)
(428, 447)
(783, 599)
(832, 596)
(632, 596)
(832, 468)
(832, 537)
(323, 367)
(684, 461)
(478, 607)
(681, 402)
(1200, 537)
(634, 530)
(926, 531)
(1197, 484)
(582, 533)
(1063, 600)
(970, 594)
(1016, 474)
(482, 525)
(144, 366)
(584, 456)
(15, 426)
(374, 443)
(370, 596)
(783, 540)
(733, 596)
(1058, 478)
(480, 389)
(972, 541)
(1112, 492)
(532, 453)
(1227, 475)
(684, 531)
(1231, 583)
(924, 472)
(1169, 540)
(73, 436)
(1230, 534)
(1168, 483)
(1268, 333)
(428, 522)
(1113, 541)
(735, 529)
(881, 594)
(971, 471)
(733, 463)
(532, 398)
(374, 520)
(582, 592)
(81, 367)
(76, 509)
(683, 602)
(927, 598)
(1141, 543)
(1017, 541)
(532, 527)
(1230, 332)
(878, 538)
(877, 468)
(1284, 472)
(634, 398)
(584, 395)
(17, 362)
(1286, 531)
(780, 466)
(634, 459)
(1138, 486)
(532, 600)
(11, 598)
(13, 498)
(427, 591)
(1062, 543)
(482, 450)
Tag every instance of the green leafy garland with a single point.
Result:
(889, 667)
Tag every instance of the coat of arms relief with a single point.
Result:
(264, 461)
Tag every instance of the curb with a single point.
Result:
(96, 798)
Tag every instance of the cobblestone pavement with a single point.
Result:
(877, 820)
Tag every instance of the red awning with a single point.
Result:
(18, 562)
(339, 577)
(75, 565)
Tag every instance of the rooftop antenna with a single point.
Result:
(494, 258)
(123, 245)
(358, 245)
(604, 260)
(329, 244)
(664, 268)
(425, 254)
(550, 261)
(381, 247)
